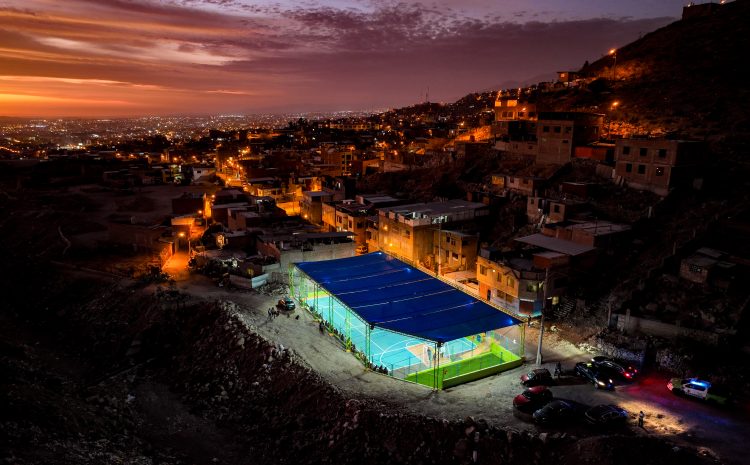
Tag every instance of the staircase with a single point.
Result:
(564, 309)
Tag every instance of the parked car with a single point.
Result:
(555, 412)
(607, 415)
(362, 249)
(599, 377)
(532, 398)
(700, 389)
(537, 377)
(623, 369)
(287, 303)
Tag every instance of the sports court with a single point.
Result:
(400, 320)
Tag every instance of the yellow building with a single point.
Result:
(410, 231)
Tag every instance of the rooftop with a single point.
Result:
(431, 209)
(388, 293)
(556, 245)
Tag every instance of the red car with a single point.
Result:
(532, 398)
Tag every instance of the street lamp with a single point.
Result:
(613, 52)
(612, 108)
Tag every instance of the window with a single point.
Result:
(556, 208)
(545, 128)
(565, 141)
(643, 151)
(662, 153)
(510, 282)
(568, 129)
(557, 129)
(628, 168)
(532, 287)
(531, 200)
(483, 270)
(626, 150)
(454, 256)
(660, 171)
(641, 169)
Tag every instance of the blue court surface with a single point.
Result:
(392, 350)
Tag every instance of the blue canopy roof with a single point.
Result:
(388, 293)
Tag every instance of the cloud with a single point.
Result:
(240, 56)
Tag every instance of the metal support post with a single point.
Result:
(541, 320)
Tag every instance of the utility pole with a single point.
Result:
(613, 52)
(541, 320)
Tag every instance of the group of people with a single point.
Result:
(380, 369)
(273, 312)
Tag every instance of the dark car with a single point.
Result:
(554, 412)
(607, 415)
(287, 303)
(532, 398)
(623, 369)
(599, 377)
(536, 377)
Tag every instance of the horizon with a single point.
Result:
(128, 59)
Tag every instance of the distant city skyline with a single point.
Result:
(118, 58)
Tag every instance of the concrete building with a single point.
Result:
(347, 216)
(454, 251)
(311, 206)
(289, 246)
(408, 231)
(658, 165)
(543, 210)
(598, 233)
(515, 280)
(558, 133)
(189, 203)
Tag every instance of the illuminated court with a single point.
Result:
(402, 321)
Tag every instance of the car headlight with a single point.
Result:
(601, 383)
(610, 381)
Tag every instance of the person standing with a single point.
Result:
(640, 419)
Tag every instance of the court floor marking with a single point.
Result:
(339, 313)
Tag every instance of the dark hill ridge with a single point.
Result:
(687, 78)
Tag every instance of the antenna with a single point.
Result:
(427, 95)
